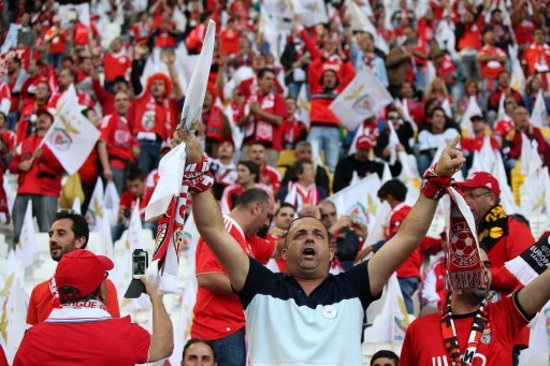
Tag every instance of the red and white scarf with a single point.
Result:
(79, 312)
(300, 196)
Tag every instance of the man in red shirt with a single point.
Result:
(68, 232)
(137, 190)
(268, 174)
(263, 116)
(57, 38)
(537, 57)
(471, 330)
(474, 143)
(90, 335)
(503, 88)
(394, 193)
(501, 235)
(39, 177)
(218, 315)
(117, 146)
(27, 122)
(492, 60)
(117, 64)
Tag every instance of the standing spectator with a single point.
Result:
(27, 122)
(400, 65)
(468, 38)
(501, 31)
(15, 77)
(79, 278)
(117, 146)
(262, 124)
(141, 30)
(69, 232)
(89, 171)
(67, 77)
(7, 149)
(117, 64)
(324, 123)
(39, 177)
(293, 129)
(57, 38)
(303, 191)
(268, 174)
(362, 52)
(439, 133)
(492, 60)
(216, 124)
(358, 162)
(537, 58)
(217, 314)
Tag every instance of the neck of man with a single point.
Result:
(248, 185)
(309, 285)
(464, 303)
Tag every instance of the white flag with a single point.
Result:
(13, 313)
(310, 12)
(529, 157)
(112, 201)
(392, 323)
(77, 205)
(72, 136)
(472, 110)
(517, 79)
(501, 111)
(360, 201)
(27, 247)
(362, 98)
(506, 195)
(96, 207)
(539, 116)
(303, 107)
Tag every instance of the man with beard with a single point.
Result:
(68, 232)
(471, 331)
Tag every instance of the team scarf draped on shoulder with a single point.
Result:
(492, 227)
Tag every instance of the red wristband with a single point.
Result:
(434, 186)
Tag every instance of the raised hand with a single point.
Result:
(451, 159)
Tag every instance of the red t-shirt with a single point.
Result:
(217, 316)
(80, 35)
(58, 43)
(91, 342)
(259, 130)
(118, 65)
(116, 133)
(411, 266)
(40, 303)
(271, 177)
(491, 69)
(128, 200)
(424, 345)
(471, 144)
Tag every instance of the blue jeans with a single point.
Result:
(329, 142)
(231, 350)
(54, 59)
(150, 156)
(408, 287)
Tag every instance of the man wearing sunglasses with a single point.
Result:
(503, 236)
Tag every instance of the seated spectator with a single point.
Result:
(531, 91)
(411, 102)
(303, 191)
(39, 177)
(97, 338)
(511, 148)
(503, 88)
(347, 233)
(404, 132)
(198, 352)
(384, 358)
(216, 124)
(471, 89)
(474, 143)
(268, 174)
(438, 134)
(399, 65)
(137, 192)
(303, 152)
(358, 162)
(505, 123)
(225, 170)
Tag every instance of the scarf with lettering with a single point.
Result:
(492, 227)
(450, 339)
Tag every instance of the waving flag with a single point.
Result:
(472, 110)
(72, 136)
(539, 116)
(364, 97)
(26, 248)
(170, 196)
(310, 12)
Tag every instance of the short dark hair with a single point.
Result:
(384, 353)
(80, 225)
(68, 294)
(435, 109)
(394, 188)
(120, 80)
(265, 70)
(192, 341)
(250, 196)
(252, 167)
(284, 205)
(299, 166)
(135, 173)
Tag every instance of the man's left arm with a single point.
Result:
(415, 226)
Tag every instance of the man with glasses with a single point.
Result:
(503, 236)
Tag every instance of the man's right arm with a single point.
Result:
(209, 222)
(162, 339)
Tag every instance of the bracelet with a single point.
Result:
(434, 186)
(197, 176)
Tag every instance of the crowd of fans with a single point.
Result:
(436, 58)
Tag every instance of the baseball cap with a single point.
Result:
(476, 117)
(365, 142)
(82, 270)
(482, 180)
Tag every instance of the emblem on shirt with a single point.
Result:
(329, 312)
(486, 336)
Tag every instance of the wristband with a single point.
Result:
(434, 186)
(197, 176)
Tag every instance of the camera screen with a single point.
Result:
(139, 264)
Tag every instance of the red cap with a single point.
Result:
(482, 180)
(82, 270)
(365, 142)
